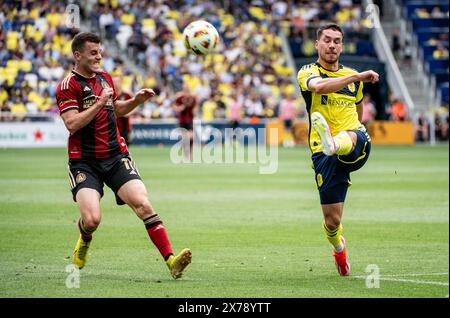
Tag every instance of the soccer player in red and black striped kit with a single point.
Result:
(186, 107)
(98, 155)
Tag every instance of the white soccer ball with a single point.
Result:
(200, 37)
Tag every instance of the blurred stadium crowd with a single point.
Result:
(144, 46)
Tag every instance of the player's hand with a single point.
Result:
(369, 76)
(143, 95)
(106, 94)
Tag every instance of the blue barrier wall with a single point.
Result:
(166, 133)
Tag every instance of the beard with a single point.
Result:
(330, 59)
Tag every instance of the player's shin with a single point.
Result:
(344, 144)
(334, 236)
(157, 233)
(86, 233)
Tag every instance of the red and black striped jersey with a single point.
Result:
(186, 116)
(100, 138)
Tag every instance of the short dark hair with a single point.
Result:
(329, 26)
(81, 38)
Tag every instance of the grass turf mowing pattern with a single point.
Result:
(251, 235)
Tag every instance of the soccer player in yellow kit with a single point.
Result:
(338, 141)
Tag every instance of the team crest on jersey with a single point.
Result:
(80, 177)
(351, 87)
(109, 103)
(105, 84)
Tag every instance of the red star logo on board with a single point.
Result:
(38, 135)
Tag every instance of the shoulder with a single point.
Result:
(308, 69)
(67, 84)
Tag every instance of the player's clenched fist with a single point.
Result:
(369, 76)
(106, 94)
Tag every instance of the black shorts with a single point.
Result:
(287, 123)
(234, 124)
(189, 126)
(333, 172)
(114, 172)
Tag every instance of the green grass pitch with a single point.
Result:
(251, 235)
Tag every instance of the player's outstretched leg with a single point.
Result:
(340, 259)
(178, 263)
(321, 127)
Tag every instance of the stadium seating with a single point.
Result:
(411, 6)
(35, 51)
(444, 92)
(430, 23)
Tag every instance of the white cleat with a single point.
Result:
(321, 127)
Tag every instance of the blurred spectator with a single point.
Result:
(287, 114)
(397, 110)
(396, 45)
(441, 124)
(437, 13)
(235, 111)
(368, 110)
(106, 23)
(422, 13)
(441, 52)
(422, 128)
(209, 108)
(407, 53)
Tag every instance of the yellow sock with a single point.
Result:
(169, 261)
(344, 143)
(334, 237)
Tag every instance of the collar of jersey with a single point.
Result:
(73, 71)
(339, 67)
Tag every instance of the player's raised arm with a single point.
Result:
(123, 107)
(332, 84)
(75, 120)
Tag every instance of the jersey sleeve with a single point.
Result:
(307, 73)
(359, 93)
(66, 96)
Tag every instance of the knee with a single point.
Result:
(354, 138)
(332, 222)
(91, 222)
(143, 208)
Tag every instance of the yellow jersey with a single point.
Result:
(338, 108)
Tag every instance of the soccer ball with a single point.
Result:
(200, 37)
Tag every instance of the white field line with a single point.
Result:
(388, 278)
(402, 275)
